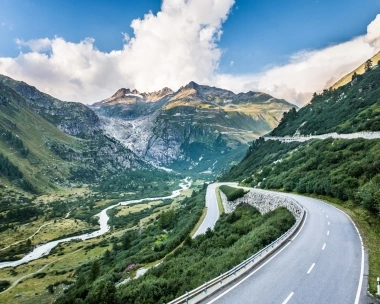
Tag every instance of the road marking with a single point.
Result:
(324, 246)
(311, 268)
(323, 211)
(252, 273)
(328, 232)
(328, 223)
(327, 216)
(288, 298)
(359, 290)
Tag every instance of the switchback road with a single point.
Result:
(322, 264)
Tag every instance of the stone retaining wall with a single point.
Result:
(264, 202)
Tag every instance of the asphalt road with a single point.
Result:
(322, 264)
(212, 214)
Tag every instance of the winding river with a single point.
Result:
(45, 249)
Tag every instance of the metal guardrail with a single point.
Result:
(247, 264)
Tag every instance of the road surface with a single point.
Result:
(212, 214)
(322, 264)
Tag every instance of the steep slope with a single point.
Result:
(47, 157)
(70, 117)
(351, 108)
(198, 128)
(359, 70)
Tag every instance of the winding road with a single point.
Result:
(322, 264)
(212, 214)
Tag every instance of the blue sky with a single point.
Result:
(257, 35)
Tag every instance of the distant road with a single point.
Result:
(320, 265)
(302, 138)
(212, 214)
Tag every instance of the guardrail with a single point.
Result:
(208, 288)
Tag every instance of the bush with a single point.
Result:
(232, 193)
(4, 285)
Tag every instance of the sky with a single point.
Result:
(85, 50)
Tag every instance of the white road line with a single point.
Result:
(359, 290)
(323, 211)
(288, 298)
(252, 273)
(328, 223)
(327, 216)
(328, 232)
(324, 246)
(311, 268)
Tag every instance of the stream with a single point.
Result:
(43, 250)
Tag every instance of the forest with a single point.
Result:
(235, 237)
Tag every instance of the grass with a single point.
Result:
(232, 193)
(33, 290)
(60, 265)
(125, 210)
(219, 199)
(201, 219)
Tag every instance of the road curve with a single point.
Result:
(322, 264)
(212, 214)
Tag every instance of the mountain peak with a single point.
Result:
(191, 85)
(123, 92)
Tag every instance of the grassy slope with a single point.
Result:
(42, 165)
(359, 70)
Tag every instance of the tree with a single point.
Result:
(368, 65)
(95, 271)
(102, 293)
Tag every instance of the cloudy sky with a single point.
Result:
(85, 50)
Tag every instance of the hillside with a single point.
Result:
(343, 171)
(351, 108)
(196, 129)
(50, 159)
(70, 117)
(341, 168)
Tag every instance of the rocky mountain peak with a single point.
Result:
(191, 85)
(123, 92)
(154, 96)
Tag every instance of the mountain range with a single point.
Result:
(197, 128)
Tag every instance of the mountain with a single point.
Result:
(70, 117)
(195, 129)
(39, 152)
(129, 104)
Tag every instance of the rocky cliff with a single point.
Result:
(198, 128)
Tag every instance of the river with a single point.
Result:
(45, 249)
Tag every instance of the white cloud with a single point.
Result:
(307, 72)
(168, 49)
(36, 45)
(177, 45)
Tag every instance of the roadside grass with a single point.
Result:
(201, 219)
(219, 199)
(232, 193)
